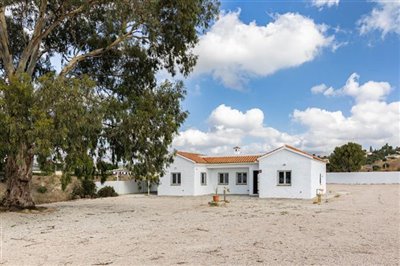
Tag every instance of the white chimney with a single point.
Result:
(236, 149)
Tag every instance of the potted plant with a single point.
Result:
(216, 196)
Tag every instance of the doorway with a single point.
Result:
(255, 181)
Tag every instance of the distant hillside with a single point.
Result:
(381, 165)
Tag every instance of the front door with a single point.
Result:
(255, 182)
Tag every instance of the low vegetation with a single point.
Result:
(41, 189)
(352, 158)
(107, 191)
(85, 189)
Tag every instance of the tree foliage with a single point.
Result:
(347, 158)
(102, 98)
(378, 155)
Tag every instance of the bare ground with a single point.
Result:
(360, 226)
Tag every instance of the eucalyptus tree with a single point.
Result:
(78, 84)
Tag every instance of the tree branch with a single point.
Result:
(38, 29)
(71, 65)
(37, 38)
(4, 44)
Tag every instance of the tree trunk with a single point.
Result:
(19, 175)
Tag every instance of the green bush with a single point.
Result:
(89, 187)
(376, 168)
(41, 189)
(107, 191)
(86, 188)
(77, 192)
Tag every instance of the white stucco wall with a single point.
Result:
(317, 169)
(231, 170)
(186, 168)
(127, 187)
(364, 178)
(285, 160)
(198, 188)
(212, 178)
(191, 178)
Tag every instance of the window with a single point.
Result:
(284, 178)
(203, 179)
(320, 179)
(223, 178)
(176, 179)
(241, 178)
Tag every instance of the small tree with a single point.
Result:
(347, 158)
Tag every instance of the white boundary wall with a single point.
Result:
(126, 187)
(363, 178)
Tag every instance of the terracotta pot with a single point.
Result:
(215, 198)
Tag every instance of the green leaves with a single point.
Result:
(104, 105)
(347, 158)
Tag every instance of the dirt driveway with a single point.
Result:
(360, 226)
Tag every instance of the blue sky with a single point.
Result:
(265, 56)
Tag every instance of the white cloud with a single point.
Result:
(327, 3)
(230, 127)
(322, 88)
(372, 121)
(234, 52)
(385, 17)
(369, 91)
(231, 118)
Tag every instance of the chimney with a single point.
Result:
(236, 149)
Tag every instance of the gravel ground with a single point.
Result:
(360, 224)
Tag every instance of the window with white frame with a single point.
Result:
(241, 178)
(223, 178)
(175, 179)
(284, 178)
(203, 177)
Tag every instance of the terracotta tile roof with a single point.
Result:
(198, 158)
(233, 159)
(195, 157)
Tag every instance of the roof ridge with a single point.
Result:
(304, 152)
(232, 155)
(250, 158)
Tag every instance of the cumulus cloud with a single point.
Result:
(369, 91)
(233, 52)
(231, 118)
(325, 3)
(385, 17)
(372, 121)
(230, 127)
(323, 89)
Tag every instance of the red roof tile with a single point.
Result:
(195, 157)
(198, 158)
(233, 159)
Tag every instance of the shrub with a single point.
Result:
(77, 191)
(41, 189)
(86, 188)
(376, 168)
(89, 187)
(107, 191)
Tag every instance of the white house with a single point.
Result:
(285, 172)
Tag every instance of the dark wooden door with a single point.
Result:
(255, 182)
